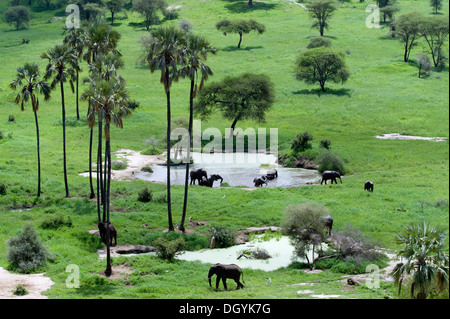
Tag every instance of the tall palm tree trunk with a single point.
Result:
(169, 203)
(38, 153)
(78, 110)
(188, 159)
(64, 139)
(91, 137)
(99, 171)
(108, 270)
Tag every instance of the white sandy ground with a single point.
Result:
(34, 283)
(397, 136)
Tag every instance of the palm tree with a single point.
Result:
(105, 68)
(165, 53)
(60, 66)
(99, 39)
(197, 49)
(29, 74)
(109, 100)
(75, 38)
(426, 263)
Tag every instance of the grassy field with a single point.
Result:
(383, 95)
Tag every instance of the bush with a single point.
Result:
(55, 222)
(329, 161)
(21, 290)
(168, 249)
(11, 118)
(222, 237)
(147, 169)
(118, 165)
(302, 142)
(161, 198)
(2, 189)
(145, 195)
(325, 144)
(316, 42)
(26, 252)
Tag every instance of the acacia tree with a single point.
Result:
(60, 66)
(436, 5)
(29, 76)
(197, 50)
(425, 261)
(321, 65)
(164, 51)
(148, 9)
(19, 16)
(407, 27)
(320, 11)
(115, 6)
(435, 31)
(247, 96)
(240, 27)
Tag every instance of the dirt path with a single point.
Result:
(34, 283)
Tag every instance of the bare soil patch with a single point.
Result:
(34, 283)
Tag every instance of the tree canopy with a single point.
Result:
(19, 16)
(246, 96)
(321, 65)
(240, 27)
(321, 11)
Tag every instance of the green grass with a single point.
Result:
(383, 95)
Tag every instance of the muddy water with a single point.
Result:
(237, 169)
(280, 250)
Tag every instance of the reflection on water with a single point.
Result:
(280, 249)
(237, 169)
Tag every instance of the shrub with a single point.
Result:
(147, 169)
(161, 198)
(222, 237)
(21, 290)
(329, 161)
(316, 42)
(26, 252)
(118, 165)
(325, 144)
(145, 195)
(168, 249)
(302, 142)
(2, 189)
(55, 222)
(11, 118)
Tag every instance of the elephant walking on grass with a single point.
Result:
(226, 271)
(330, 175)
(368, 186)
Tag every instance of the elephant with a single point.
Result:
(328, 223)
(259, 181)
(326, 175)
(209, 181)
(226, 271)
(112, 233)
(197, 174)
(368, 186)
(272, 174)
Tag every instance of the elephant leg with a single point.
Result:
(217, 282)
(224, 281)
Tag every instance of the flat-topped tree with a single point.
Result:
(240, 27)
(246, 96)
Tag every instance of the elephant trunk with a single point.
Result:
(209, 278)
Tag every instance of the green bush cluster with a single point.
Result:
(55, 222)
(26, 252)
(167, 249)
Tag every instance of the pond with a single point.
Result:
(236, 169)
(279, 248)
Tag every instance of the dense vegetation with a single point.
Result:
(383, 94)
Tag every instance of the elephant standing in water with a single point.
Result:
(327, 175)
(197, 174)
(226, 271)
(209, 181)
(259, 181)
(272, 174)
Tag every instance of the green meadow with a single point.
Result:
(383, 95)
